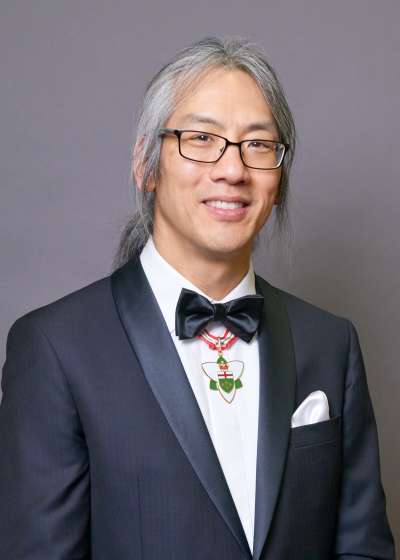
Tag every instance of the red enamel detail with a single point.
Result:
(214, 345)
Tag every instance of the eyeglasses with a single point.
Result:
(205, 147)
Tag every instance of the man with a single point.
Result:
(183, 407)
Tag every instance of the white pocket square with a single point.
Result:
(315, 408)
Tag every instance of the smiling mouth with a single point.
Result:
(227, 210)
(225, 205)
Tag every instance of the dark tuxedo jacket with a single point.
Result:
(104, 453)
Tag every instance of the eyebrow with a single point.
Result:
(268, 126)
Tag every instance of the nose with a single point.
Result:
(230, 166)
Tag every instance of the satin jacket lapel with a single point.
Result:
(276, 404)
(143, 322)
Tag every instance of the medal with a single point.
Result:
(224, 375)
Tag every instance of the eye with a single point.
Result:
(259, 145)
(202, 138)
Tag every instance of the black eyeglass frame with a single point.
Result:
(178, 133)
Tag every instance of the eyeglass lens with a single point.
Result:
(207, 148)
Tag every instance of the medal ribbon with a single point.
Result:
(224, 375)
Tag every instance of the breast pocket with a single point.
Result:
(311, 485)
(319, 433)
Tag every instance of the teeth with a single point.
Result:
(225, 205)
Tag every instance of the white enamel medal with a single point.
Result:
(224, 375)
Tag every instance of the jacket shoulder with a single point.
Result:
(296, 304)
(321, 339)
(79, 309)
(309, 320)
(299, 306)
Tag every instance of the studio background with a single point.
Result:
(72, 75)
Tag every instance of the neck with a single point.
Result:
(214, 276)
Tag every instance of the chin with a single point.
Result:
(228, 248)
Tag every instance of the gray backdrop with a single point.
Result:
(71, 76)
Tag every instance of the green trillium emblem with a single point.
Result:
(224, 376)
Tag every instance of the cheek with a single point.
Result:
(187, 180)
(179, 186)
(269, 191)
(190, 172)
(180, 172)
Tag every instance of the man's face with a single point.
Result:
(185, 216)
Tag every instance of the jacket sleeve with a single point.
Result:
(362, 530)
(44, 467)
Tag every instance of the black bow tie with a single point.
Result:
(241, 316)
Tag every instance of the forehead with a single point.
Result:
(224, 98)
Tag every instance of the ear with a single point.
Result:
(137, 169)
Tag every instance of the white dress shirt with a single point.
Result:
(233, 427)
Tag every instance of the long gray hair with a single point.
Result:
(165, 91)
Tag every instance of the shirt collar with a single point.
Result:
(167, 283)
